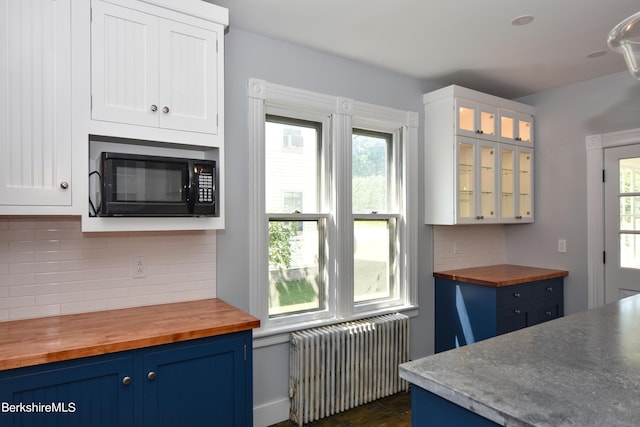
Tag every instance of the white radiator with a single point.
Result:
(338, 367)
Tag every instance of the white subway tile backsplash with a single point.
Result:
(464, 246)
(49, 267)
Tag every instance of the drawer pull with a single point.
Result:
(151, 376)
(516, 311)
(126, 381)
(549, 289)
(516, 295)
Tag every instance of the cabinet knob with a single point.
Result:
(549, 289)
(517, 311)
(548, 313)
(480, 217)
(165, 109)
(151, 376)
(479, 131)
(516, 295)
(64, 185)
(154, 107)
(126, 381)
(518, 138)
(519, 217)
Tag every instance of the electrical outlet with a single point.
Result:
(139, 267)
(562, 245)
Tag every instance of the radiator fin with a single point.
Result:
(338, 367)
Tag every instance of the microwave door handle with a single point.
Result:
(192, 193)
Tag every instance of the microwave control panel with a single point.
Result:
(206, 187)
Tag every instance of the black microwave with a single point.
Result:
(140, 185)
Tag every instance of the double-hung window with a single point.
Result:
(333, 208)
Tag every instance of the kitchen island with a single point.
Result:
(579, 370)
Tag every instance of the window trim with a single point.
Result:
(338, 116)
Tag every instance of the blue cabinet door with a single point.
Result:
(201, 383)
(83, 392)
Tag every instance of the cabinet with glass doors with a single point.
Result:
(478, 158)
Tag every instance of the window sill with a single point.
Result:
(280, 335)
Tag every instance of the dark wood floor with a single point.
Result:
(392, 411)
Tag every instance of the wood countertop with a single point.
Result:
(52, 339)
(500, 275)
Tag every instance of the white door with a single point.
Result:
(188, 77)
(622, 221)
(124, 65)
(35, 103)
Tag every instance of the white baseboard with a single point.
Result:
(271, 413)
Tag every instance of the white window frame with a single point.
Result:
(338, 116)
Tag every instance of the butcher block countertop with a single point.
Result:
(53, 339)
(500, 275)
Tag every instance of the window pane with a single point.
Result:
(372, 260)
(630, 250)
(295, 283)
(630, 175)
(370, 171)
(291, 166)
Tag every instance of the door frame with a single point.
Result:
(595, 145)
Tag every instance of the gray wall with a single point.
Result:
(564, 118)
(249, 55)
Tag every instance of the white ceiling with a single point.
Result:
(467, 42)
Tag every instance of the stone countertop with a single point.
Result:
(500, 275)
(53, 339)
(579, 370)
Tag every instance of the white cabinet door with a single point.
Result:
(188, 77)
(151, 71)
(477, 181)
(516, 128)
(516, 184)
(124, 65)
(35, 103)
(476, 120)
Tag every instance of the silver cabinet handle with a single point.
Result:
(151, 376)
(165, 109)
(516, 295)
(548, 313)
(516, 311)
(154, 107)
(64, 185)
(550, 289)
(126, 381)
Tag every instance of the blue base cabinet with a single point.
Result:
(430, 410)
(202, 382)
(466, 312)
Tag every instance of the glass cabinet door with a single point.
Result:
(488, 182)
(507, 182)
(476, 120)
(525, 184)
(466, 179)
(515, 127)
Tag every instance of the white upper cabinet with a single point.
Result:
(35, 107)
(156, 68)
(472, 175)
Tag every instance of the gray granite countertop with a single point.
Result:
(579, 370)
